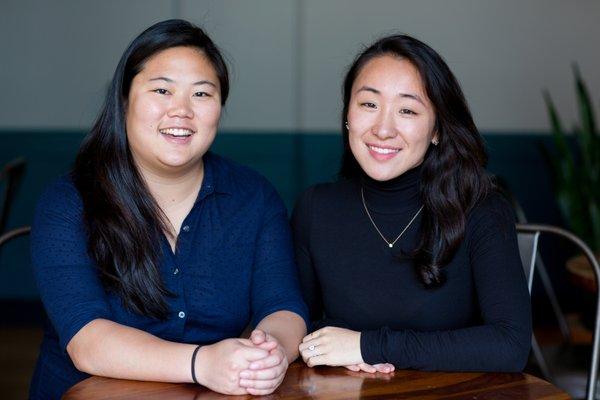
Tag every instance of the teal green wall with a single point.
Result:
(291, 161)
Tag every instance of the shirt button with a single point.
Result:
(176, 271)
(181, 314)
(186, 228)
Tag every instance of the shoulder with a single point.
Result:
(492, 215)
(58, 213)
(323, 199)
(244, 185)
(233, 176)
(323, 194)
(60, 195)
(494, 205)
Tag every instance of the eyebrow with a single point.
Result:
(169, 80)
(404, 95)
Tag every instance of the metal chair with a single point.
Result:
(528, 237)
(10, 175)
(540, 267)
(14, 233)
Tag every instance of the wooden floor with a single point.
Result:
(19, 349)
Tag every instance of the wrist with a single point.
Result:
(360, 357)
(200, 364)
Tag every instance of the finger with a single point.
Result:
(317, 360)
(316, 351)
(251, 353)
(269, 346)
(354, 368)
(385, 368)
(272, 360)
(258, 336)
(307, 354)
(260, 392)
(311, 336)
(367, 368)
(257, 384)
(305, 345)
(264, 374)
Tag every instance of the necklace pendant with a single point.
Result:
(391, 245)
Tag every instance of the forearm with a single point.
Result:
(106, 348)
(288, 328)
(478, 348)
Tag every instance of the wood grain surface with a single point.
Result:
(302, 382)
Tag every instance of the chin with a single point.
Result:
(175, 163)
(380, 174)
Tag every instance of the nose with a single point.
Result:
(181, 107)
(385, 127)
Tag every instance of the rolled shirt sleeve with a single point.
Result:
(274, 277)
(66, 277)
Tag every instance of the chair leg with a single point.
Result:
(560, 316)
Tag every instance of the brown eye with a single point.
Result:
(406, 111)
(201, 94)
(368, 105)
(160, 91)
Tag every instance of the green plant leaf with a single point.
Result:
(575, 165)
(586, 113)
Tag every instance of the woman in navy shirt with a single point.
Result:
(153, 246)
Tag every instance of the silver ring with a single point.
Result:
(311, 347)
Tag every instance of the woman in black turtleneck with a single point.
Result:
(411, 259)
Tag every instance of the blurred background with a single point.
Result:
(287, 59)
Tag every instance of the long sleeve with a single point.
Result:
(309, 279)
(309, 283)
(502, 341)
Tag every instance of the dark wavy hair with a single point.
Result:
(123, 221)
(453, 177)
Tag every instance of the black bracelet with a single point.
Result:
(194, 365)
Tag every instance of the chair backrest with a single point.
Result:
(10, 179)
(528, 243)
(14, 233)
(528, 234)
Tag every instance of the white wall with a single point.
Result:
(288, 56)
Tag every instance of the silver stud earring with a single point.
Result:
(347, 127)
(435, 142)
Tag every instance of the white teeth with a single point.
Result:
(381, 150)
(177, 131)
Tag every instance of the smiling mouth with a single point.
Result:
(177, 132)
(383, 150)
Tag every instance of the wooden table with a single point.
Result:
(338, 383)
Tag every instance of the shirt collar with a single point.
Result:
(215, 179)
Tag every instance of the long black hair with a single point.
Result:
(453, 177)
(122, 219)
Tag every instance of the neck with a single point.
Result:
(396, 195)
(172, 189)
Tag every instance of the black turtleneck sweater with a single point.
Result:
(479, 320)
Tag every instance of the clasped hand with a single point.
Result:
(337, 347)
(254, 366)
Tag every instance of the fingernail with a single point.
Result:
(244, 374)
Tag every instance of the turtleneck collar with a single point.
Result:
(394, 196)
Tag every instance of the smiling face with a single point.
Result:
(390, 119)
(173, 110)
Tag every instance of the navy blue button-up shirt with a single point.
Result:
(233, 266)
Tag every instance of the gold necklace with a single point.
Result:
(390, 244)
